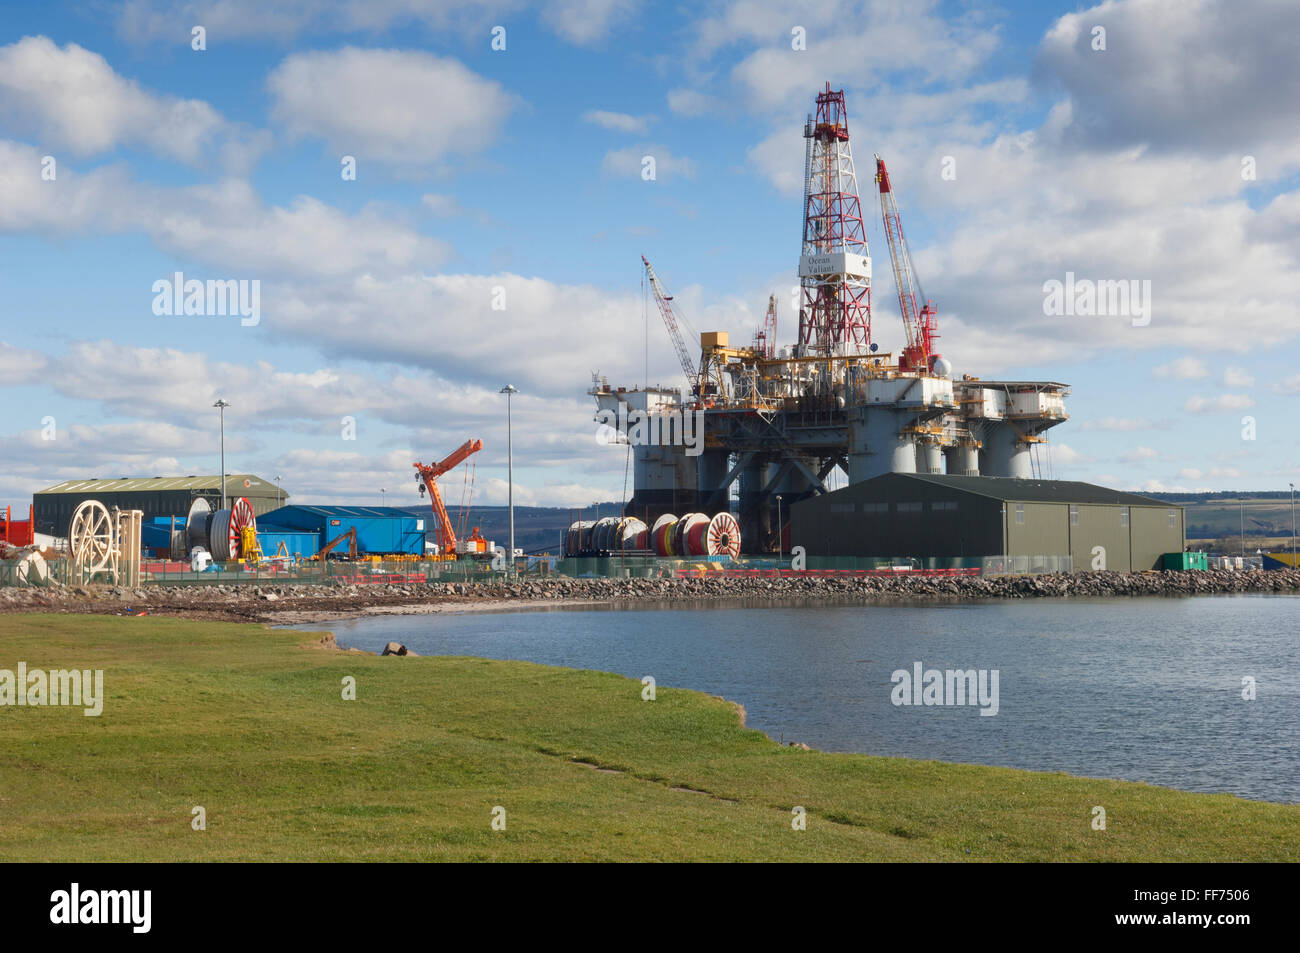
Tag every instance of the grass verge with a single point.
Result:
(250, 724)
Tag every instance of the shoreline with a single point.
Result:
(297, 605)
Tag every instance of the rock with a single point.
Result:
(397, 648)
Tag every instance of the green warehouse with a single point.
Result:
(994, 522)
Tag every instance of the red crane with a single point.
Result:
(921, 325)
(428, 476)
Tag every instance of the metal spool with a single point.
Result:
(91, 537)
(196, 525)
(684, 526)
(602, 535)
(219, 536)
(723, 536)
(584, 535)
(241, 518)
(631, 534)
(575, 535)
(661, 534)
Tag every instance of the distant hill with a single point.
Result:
(537, 528)
(1219, 515)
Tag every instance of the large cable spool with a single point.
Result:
(661, 534)
(722, 537)
(584, 535)
(630, 534)
(691, 526)
(92, 538)
(219, 536)
(603, 534)
(242, 517)
(197, 525)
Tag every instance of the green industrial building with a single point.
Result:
(154, 496)
(992, 522)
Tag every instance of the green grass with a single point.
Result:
(249, 723)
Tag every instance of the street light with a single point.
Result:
(383, 500)
(221, 406)
(510, 390)
(279, 500)
(1293, 562)
(780, 542)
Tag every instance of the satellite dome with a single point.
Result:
(943, 367)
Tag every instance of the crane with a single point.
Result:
(427, 477)
(670, 321)
(765, 337)
(920, 325)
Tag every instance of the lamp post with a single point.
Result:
(279, 500)
(510, 390)
(1241, 505)
(1293, 563)
(780, 541)
(221, 406)
(383, 498)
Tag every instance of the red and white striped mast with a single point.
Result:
(835, 267)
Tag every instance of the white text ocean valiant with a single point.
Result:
(181, 296)
(37, 688)
(932, 686)
(649, 429)
(134, 907)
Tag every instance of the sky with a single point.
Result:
(492, 230)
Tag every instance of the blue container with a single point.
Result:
(380, 529)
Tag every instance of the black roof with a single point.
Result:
(1029, 491)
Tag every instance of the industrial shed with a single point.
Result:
(967, 520)
(153, 496)
(380, 529)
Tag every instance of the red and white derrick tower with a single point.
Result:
(835, 267)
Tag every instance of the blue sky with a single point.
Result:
(482, 169)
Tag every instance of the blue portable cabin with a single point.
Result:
(301, 543)
(380, 529)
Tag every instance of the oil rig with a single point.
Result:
(781, 419)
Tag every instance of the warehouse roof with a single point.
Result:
(345, 512)
(1030, 491)
(244, 482)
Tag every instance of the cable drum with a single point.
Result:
(219, 536)
(197, 525)
(631, 534)
(722, 537)
(661, 534)
(690, 528)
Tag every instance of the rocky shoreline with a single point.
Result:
(297, 604)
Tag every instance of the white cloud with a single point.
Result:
(617, 122)
(405, 108)
(1240, 96)
(1138, 454)
(1237, 377)
(692, 103)
(1289, 385)
(1119, 424)
(629, 162)
(1190, 473)
(71, 99)
(1218, 405)
(1064, 454)
(1185, 368)
(584, 22)
(225, 224)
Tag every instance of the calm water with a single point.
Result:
(1139, 689)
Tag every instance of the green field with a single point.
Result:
(249, 723)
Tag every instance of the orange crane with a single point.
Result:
(427, 477)
(665, 303)
(918, 314)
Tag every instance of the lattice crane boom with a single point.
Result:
(918, 314)
(674, 330)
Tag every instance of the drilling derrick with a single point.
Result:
(835, 267)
